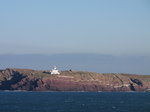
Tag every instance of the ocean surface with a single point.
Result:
(74, 101)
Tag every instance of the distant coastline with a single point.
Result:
(73, 81)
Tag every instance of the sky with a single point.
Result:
(114, 27)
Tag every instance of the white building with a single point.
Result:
(54, 70)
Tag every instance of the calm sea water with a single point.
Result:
(74, 102)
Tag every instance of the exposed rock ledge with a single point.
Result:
(32, 80)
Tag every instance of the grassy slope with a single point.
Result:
(80, 75)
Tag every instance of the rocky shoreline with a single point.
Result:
(34, 80)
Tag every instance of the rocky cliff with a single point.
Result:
(33, 80)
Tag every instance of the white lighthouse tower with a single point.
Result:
(54, 70)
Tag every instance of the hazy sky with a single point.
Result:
(115, 27)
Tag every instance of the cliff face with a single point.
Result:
(31, 80)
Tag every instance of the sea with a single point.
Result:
(18, 101)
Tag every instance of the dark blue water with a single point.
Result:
(74, 102)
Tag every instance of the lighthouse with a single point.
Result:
(54, 70)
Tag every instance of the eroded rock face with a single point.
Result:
(31, 80)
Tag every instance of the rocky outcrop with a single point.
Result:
(32, 80)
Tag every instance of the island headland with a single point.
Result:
(36, 80)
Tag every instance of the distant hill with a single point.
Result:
(79, 61)
(33, 80)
